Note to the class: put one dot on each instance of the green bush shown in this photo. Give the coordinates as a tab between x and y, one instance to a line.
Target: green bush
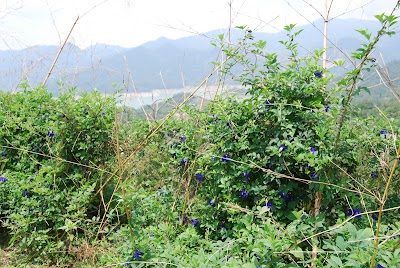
54	155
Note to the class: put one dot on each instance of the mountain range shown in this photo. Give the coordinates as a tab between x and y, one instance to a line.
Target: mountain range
166	63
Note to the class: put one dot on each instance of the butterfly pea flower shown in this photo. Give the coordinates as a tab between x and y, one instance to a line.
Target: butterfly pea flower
2	179
138	254
268	103
243	194
25	193
103	113
199	177
318	74
3	154
182	138
269	204
226	158
183	161
211	202
313	150
185	219
286	196
374	217
327	108
384	133
282	147
354	212
246	174
50	134
314	176
374	174
195	222
379	266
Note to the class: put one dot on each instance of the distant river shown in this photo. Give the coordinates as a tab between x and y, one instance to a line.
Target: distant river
139	99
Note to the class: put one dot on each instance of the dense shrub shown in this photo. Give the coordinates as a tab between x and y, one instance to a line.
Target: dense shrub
53	155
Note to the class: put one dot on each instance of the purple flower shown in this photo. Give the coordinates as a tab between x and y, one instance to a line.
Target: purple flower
185	219
243	194
195	222
318	74
282	147
384	133
50	133
182	138
3	154
257	256
138	254
357	213
374	174
2	179
127	264
354	212
374	217
211	202
314	176
199	177
313	150
25	193
269	204
183	161
226	158
268	103
379	266
285	196
246	174
103	113
327	108
229	125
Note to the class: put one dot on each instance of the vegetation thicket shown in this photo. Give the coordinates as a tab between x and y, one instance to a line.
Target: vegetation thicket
290	176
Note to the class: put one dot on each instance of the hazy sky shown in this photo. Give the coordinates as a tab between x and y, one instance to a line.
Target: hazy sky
130	23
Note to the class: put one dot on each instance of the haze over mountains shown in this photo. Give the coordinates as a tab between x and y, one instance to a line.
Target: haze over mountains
165	63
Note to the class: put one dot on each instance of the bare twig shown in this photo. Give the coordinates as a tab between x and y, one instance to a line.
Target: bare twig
59	52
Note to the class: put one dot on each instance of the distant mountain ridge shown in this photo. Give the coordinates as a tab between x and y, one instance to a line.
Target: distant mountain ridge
165	63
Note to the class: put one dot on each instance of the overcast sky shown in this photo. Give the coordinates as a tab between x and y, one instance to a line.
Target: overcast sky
129	23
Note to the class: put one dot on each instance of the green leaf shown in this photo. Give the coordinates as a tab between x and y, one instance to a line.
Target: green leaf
340	243
335	261
365	33
297	252
263	210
